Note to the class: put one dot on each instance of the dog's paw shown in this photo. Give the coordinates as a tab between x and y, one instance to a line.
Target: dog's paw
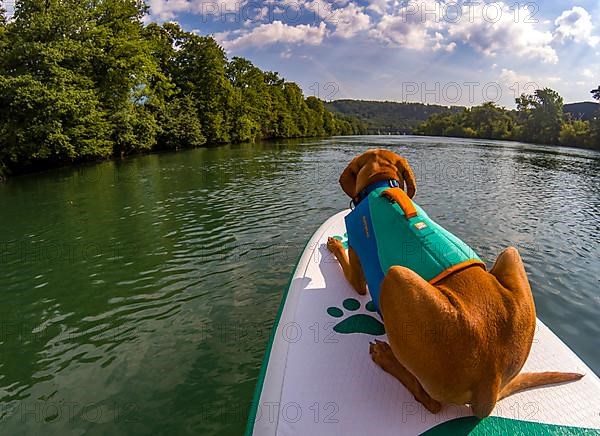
334	245
382	355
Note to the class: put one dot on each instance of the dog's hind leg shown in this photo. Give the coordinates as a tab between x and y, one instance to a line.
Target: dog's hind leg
382	355
510	272
418	319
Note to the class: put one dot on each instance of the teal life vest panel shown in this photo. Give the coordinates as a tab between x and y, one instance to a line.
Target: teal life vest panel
387	229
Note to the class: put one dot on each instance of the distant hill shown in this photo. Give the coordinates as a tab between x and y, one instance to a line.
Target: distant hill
397	118
582	111
388	116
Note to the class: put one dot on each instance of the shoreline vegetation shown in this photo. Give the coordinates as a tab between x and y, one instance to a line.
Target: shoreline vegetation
87	80
539	119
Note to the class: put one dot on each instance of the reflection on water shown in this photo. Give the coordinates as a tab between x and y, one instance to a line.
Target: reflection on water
138	295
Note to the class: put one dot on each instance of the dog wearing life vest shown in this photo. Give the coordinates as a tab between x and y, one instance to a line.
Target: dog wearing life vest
459	335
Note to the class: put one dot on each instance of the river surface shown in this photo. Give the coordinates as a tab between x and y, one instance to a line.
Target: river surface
137	296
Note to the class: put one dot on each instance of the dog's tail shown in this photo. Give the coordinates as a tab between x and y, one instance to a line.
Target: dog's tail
527	380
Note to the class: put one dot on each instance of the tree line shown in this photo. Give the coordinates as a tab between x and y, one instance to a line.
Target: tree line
539	118
87	79
383	117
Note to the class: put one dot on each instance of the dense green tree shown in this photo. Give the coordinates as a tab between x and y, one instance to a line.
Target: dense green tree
315	117
42	122
123	67
178	125
86	79
575	133
491	122
51	110
251	102
176	114
200	72
541	116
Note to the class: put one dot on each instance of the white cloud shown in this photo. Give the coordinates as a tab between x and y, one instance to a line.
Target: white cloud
378	6
349	20
588	73
395	30
167	10
164	10
273	33
498	31
576	24
426	25
320	8
433	25
408	27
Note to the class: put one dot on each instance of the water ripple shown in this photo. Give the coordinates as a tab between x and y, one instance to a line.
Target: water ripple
148	287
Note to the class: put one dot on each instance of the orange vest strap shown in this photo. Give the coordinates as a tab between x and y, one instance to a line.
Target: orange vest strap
399	196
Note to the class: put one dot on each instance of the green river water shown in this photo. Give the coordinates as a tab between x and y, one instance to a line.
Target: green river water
137	296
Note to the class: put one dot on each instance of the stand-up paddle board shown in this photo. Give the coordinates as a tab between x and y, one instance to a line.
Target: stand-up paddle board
318	378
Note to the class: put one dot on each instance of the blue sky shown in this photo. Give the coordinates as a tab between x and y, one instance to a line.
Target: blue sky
445	52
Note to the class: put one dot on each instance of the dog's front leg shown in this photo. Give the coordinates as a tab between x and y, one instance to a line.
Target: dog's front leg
350	265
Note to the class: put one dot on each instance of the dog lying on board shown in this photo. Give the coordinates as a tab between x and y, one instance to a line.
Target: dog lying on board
457	333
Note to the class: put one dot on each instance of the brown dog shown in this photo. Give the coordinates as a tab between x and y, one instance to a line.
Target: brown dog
462	341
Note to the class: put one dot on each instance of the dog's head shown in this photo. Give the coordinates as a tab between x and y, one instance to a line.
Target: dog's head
375	166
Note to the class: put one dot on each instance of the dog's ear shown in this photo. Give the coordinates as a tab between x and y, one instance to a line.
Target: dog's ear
405	173
348	178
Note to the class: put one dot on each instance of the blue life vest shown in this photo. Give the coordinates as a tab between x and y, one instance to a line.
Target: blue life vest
387	229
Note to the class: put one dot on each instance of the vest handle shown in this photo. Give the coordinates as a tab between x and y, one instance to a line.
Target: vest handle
399	196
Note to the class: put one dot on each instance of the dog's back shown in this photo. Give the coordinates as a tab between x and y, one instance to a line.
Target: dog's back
387	229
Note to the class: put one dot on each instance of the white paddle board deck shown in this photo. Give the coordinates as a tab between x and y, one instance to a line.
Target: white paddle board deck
318	377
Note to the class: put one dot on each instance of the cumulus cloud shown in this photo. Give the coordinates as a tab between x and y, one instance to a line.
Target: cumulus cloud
433	25
576	24
273	33
492	29
396	30
412	27
164	10
349	20
167	10
498	31
378	6
320	8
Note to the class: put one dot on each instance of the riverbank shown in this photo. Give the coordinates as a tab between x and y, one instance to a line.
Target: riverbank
46	166
88	88
510	140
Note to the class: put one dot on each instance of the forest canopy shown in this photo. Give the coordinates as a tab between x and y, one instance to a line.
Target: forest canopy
87	79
